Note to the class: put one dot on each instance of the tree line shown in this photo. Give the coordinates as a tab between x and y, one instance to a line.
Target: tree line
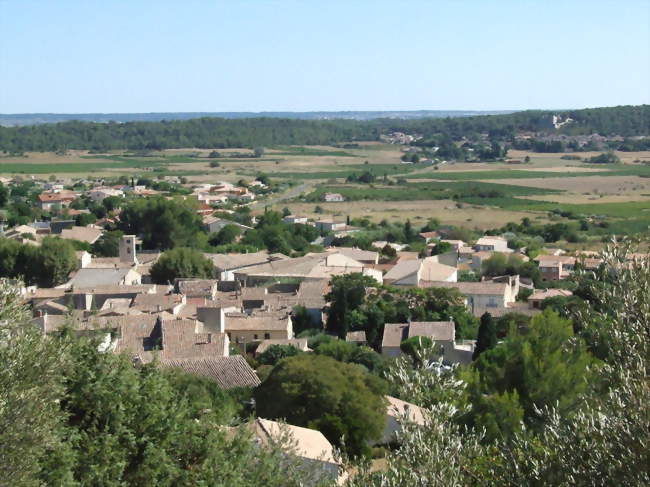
218	133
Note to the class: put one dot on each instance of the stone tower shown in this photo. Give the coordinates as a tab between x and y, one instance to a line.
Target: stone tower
127	249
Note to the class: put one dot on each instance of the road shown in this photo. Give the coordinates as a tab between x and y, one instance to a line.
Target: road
287	195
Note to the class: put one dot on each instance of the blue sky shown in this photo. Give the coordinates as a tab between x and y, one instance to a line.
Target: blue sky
82	56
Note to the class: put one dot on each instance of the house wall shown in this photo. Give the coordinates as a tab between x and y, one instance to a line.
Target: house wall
457	356
390	430
391	351
550	273
213	319
249	336
487	300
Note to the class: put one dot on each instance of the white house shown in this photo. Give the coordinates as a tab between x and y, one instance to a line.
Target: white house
333	197
492	243
99	194
442	333
295	219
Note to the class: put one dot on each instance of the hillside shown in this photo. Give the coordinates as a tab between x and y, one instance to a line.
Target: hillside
209	132
17	119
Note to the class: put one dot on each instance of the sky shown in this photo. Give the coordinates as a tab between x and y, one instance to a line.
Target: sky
114	56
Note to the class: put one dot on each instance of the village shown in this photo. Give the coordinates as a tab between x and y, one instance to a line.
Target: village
216	327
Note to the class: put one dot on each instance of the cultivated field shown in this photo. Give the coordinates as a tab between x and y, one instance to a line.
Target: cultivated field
485	194
447	211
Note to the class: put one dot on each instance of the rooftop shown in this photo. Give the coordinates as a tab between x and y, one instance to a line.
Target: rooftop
227	372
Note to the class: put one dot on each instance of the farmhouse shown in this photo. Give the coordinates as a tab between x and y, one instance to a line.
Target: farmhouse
333	197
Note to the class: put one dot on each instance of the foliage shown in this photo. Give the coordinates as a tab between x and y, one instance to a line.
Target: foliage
161	223
487	335
72	415
30	386
347	293
545	367
108	244
500	264
227	235
341	400
275	353
605	158
273	234
301	319
211	133
48	265
181	262
601	440
351	353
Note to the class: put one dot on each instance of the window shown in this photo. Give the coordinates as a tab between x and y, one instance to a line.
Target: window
267	336
255	336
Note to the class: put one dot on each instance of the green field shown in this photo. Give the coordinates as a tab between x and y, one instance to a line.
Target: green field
474	192
378	170
308	151
643	171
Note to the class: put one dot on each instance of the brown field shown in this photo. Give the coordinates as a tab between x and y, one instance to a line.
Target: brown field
418	211
577	189
616	185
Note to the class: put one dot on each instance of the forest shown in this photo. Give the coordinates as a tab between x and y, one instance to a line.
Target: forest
625	121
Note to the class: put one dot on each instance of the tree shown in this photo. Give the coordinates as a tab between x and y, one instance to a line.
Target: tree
161	223
108	245
275	353
346	294
84	219
258	152
227	235
341	400
441	248
181	262
112	203
603	436
411	346
301	319
55	260
30	387
408	231
4	195
547	366
487	335
264	179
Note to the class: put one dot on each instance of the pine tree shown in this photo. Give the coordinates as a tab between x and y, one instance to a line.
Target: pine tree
487	335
